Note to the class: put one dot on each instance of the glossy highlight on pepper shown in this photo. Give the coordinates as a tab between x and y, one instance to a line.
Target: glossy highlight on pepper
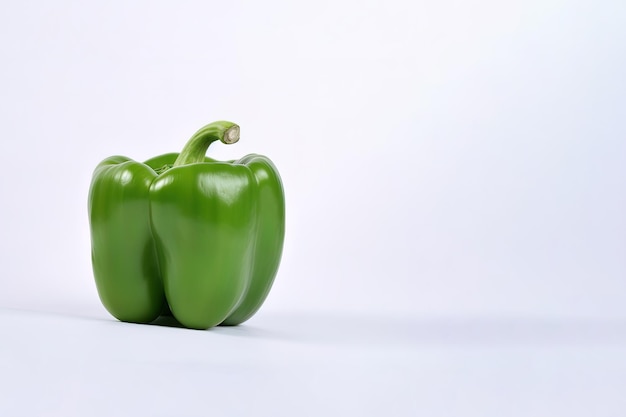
187	235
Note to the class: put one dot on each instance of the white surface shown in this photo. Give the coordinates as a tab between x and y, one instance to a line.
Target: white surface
312	365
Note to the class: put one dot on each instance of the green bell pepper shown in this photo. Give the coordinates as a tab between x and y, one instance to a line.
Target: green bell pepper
186	234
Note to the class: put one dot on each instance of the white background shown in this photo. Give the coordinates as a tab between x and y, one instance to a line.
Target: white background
440	159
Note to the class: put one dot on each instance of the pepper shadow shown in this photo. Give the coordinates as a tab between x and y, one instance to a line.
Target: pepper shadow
244	330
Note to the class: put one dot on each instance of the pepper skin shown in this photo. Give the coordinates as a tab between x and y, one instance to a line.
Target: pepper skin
187	234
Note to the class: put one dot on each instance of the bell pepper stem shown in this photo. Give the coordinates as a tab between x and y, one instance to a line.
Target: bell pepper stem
196	147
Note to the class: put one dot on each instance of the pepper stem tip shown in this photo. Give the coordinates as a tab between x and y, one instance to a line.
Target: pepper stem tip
231	135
